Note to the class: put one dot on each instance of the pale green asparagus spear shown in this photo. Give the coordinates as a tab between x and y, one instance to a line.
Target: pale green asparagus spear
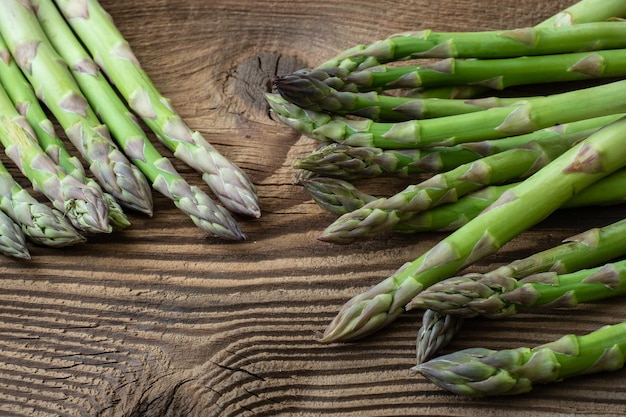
351	162
334	195
499	122
210	217
383	214
498	293
586	11
499	296
113	53
83	205
479	372
26	102
559	275
56	87
436	332
40	223
579	167
12	239
539	40
309	88
340	197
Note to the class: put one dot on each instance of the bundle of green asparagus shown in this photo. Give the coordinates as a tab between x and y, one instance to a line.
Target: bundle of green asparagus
47	66
439	108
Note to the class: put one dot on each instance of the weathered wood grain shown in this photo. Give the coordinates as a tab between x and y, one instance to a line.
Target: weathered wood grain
159	320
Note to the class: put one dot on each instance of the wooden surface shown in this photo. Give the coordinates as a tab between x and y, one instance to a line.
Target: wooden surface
160	321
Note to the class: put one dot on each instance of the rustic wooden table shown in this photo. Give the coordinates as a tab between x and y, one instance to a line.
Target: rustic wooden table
160	320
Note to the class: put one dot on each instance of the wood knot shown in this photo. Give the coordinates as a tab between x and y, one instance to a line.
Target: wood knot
248	82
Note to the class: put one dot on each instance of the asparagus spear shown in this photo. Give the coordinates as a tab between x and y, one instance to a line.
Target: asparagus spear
103	98
579	167
12	240
538	40
39	223
383	214
340	197
586	11
381	107
592	247
113	53
555	272
55	86
351	162
26	102
478	372
437	330
310	89
83	205
499	122
335	196
499	296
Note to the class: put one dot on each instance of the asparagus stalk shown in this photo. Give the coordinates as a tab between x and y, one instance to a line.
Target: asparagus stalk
436	332
586	11
579	167
500	296
55	86
589	248
113	53
26	102
539	40
131	138
40	223
340	197
383	214
351	162
309	89
12	240
559	271
83	205
386	108
335	196
478	372
500	122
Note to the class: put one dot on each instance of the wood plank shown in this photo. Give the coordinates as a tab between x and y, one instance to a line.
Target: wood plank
160	320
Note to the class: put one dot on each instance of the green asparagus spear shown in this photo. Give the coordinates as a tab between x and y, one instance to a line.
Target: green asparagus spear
579	167
103	98
40	223
55	86
83	205
309	89
562	271
334	195
586	11
436	332
26	102
478	372
12	239
500	296
500	122
383	214
351	162
538	40
340	197
98	32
